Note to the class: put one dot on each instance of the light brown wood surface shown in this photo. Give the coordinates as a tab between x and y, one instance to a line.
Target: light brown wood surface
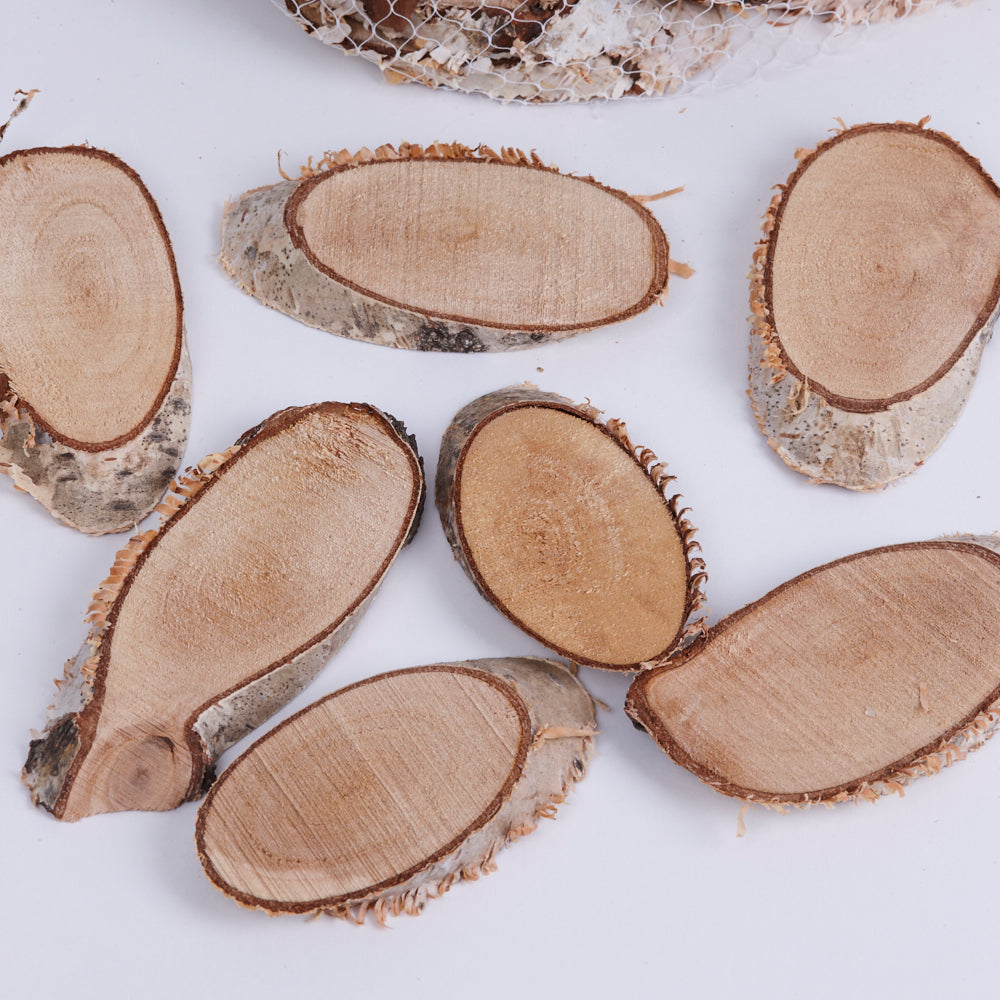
445	248
482	242
274	554
89	295
366	785
874	290
95	379
854	676
381	795
885	260
567	528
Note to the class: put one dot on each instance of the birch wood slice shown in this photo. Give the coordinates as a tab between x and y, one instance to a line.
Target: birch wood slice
266	559
95	380
844	683
568	529
383	794
874	291
445	249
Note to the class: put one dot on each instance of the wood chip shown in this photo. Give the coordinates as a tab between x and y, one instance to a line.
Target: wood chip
925	705
741	825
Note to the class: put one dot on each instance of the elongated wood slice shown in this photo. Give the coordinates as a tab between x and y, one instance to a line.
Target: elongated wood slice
382	795
445	249
569	529
844	683
874	291
268	555
95	381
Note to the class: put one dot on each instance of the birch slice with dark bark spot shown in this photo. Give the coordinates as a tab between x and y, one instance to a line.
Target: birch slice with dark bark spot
268	555
445	249
95	382
844	683
874	291
569	529
382	795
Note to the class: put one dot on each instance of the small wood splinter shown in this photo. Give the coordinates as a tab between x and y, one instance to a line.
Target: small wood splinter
382	795
268	555
22	105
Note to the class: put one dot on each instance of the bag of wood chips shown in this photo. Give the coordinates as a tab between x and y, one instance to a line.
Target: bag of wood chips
577	50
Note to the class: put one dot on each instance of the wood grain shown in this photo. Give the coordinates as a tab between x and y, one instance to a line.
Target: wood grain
383	794
204	628
850	677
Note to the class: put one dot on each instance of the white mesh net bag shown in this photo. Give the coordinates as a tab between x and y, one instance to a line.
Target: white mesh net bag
577	50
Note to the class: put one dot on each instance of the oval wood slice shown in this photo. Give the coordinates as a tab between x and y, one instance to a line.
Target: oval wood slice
383	794
568	529
95	381
445	249
268	555
874	291
844	683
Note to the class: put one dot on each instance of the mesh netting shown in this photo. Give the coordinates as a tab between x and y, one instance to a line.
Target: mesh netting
575	50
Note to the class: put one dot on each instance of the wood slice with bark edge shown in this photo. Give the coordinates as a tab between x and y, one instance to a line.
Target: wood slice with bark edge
857	435
267	556
606	594
845	683
467	757
89	280
546	51
441	267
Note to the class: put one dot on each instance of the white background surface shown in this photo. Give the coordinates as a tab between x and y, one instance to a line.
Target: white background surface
641	886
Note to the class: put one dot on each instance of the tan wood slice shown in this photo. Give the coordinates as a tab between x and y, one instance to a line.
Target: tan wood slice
383	794
874	291
268	555
95	380
844	683
415	248
569	529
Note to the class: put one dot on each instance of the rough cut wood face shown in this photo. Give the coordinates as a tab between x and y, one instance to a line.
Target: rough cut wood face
446	248
92	354
568	529
255	578
382	794
874	291
845	682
